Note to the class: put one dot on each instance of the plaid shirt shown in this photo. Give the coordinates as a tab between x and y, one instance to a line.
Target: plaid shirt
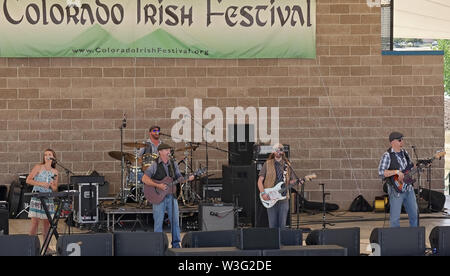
385	162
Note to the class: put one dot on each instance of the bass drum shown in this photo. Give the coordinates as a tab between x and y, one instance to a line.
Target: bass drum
134	174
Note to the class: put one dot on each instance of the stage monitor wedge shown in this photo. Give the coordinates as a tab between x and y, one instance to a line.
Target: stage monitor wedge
440	240
346	237
398	241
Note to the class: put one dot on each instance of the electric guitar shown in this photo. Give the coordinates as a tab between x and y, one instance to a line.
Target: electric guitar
279	191
409	172
155	195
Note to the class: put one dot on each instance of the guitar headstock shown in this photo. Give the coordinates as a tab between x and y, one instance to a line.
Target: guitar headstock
310	176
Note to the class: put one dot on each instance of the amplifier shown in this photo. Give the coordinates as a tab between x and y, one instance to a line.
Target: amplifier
212	192
262	152
216	216
86	205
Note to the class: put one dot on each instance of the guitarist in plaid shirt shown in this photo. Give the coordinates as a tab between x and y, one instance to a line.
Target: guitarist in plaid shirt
392	164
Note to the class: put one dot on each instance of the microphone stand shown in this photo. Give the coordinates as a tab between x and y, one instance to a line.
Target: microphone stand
68	172
418	185
302	196
206	144
122	163
324	222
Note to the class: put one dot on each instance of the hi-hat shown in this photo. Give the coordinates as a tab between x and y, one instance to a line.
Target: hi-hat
118	156
135	145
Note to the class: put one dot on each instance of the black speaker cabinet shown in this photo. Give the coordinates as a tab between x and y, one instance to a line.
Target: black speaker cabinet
212	251
346	237
398	241
440	240
140	244
258	238
291	237
100	244
310	250
19	245
3	193
225	238
14	198
239	187
4	218
214	217
241	140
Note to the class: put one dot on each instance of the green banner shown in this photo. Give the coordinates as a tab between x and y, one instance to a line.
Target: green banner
158	28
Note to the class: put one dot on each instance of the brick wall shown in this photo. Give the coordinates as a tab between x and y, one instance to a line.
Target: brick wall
336	111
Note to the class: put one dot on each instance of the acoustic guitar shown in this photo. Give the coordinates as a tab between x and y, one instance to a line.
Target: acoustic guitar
155	195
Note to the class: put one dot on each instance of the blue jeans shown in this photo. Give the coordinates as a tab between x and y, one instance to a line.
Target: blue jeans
278	214
158	218
396	200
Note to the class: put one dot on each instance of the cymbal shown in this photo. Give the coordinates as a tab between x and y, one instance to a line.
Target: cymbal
193	147
118	156
135	145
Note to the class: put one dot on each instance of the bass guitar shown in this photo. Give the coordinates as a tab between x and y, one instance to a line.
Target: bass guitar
409	172
155	195
279	191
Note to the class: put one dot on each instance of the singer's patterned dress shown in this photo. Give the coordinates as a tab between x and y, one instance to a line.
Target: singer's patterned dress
36	208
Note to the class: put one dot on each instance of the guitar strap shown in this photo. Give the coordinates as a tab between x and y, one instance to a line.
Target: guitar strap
285	172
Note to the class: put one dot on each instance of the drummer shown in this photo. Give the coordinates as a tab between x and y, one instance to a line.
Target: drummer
152	143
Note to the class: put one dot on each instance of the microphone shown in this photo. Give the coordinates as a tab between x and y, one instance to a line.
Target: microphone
53	159
171	154
124	121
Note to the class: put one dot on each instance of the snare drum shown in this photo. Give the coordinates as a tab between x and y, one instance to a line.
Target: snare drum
131	177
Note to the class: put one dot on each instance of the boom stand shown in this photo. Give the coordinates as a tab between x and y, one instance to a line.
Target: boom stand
324	210
206	145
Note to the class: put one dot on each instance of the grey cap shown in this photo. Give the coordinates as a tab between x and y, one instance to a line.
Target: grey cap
395	135
164	146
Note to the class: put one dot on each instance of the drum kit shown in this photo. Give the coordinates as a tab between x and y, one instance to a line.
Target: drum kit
136	165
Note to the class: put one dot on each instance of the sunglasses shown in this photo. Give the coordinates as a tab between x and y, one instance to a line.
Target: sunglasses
156	131
401	139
